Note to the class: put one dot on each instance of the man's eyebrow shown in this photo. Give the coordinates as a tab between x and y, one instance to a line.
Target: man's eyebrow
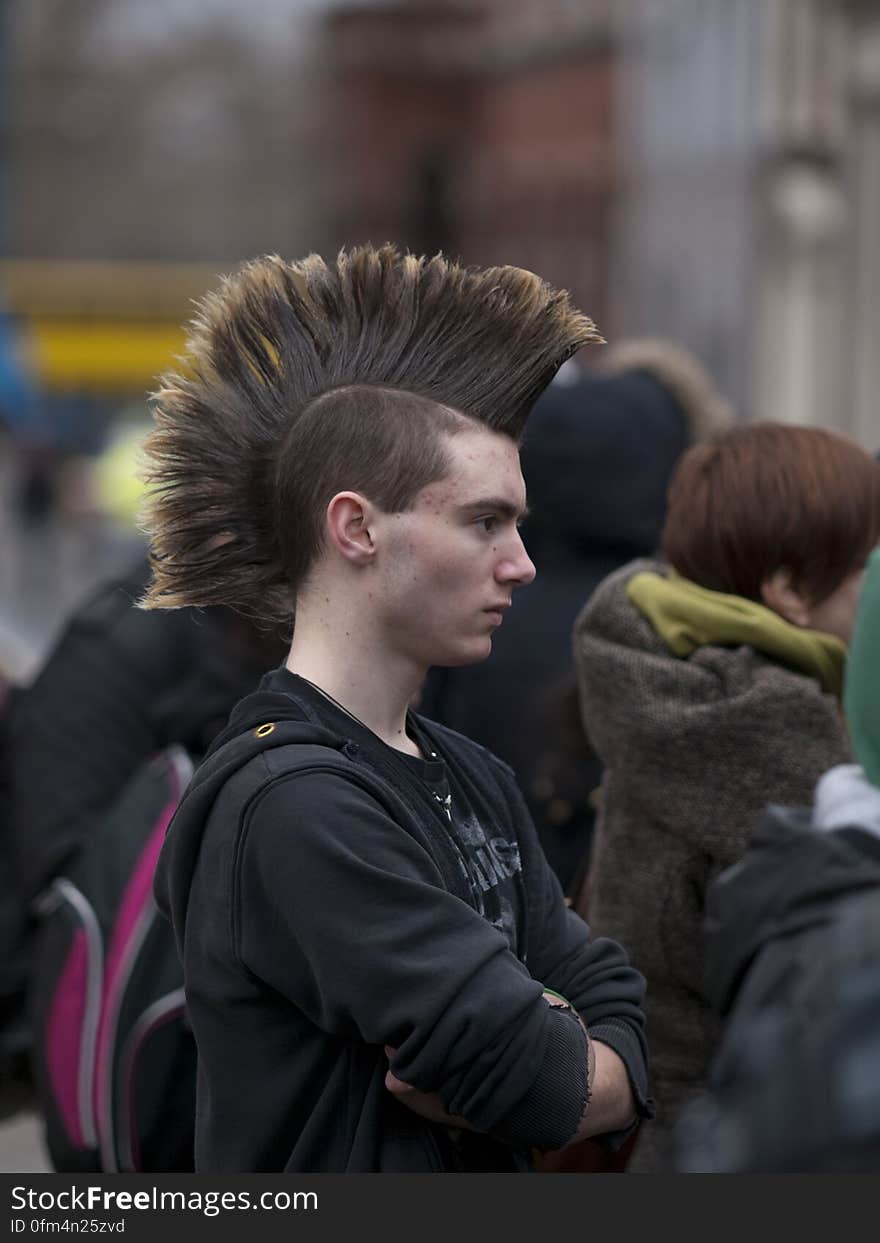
498	505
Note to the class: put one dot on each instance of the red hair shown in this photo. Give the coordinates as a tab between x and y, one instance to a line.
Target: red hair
769	496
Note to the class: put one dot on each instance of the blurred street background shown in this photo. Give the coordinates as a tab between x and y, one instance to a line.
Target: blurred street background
705	170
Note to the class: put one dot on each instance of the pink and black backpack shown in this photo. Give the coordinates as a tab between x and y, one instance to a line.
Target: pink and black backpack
114	1058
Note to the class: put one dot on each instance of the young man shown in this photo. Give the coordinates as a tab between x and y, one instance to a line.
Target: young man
368	927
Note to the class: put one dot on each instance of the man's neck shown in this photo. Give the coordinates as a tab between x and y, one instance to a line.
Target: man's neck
349	670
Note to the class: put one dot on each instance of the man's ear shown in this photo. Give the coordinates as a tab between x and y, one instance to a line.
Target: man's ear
780	594
349	519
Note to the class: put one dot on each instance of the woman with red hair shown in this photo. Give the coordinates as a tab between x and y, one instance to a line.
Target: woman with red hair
710	685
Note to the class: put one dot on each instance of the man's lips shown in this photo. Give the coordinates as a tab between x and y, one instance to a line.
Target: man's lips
496	611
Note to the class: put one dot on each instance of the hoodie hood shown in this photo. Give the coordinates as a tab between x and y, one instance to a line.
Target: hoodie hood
243	738
600	448
844	798
788	881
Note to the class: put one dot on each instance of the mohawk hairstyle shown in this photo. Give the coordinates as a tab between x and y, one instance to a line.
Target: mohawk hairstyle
276	335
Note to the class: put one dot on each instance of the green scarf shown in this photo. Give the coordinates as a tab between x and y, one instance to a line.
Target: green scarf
687	617
861	695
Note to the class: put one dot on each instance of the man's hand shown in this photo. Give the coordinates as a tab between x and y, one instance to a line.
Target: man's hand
427	1104
611	1106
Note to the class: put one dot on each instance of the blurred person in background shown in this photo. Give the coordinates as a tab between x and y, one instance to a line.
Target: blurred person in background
793	967
118	685
26	417
600	448
17	406
710	686
15	1088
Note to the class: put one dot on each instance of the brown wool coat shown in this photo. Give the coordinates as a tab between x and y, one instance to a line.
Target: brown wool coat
692	749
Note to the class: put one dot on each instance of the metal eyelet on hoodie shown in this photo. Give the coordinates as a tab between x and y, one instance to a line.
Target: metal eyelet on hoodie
264	730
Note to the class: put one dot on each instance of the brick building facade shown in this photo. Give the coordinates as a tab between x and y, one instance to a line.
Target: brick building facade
482	129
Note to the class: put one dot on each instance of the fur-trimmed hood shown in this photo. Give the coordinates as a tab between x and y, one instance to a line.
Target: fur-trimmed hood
602	443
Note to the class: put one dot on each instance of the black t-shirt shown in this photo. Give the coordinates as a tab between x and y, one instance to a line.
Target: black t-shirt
490	862
314	883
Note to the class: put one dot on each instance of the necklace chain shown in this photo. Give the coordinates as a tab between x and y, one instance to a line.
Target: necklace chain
342	707
445	801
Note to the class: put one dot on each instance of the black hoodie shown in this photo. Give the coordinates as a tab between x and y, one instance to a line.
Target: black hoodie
324	910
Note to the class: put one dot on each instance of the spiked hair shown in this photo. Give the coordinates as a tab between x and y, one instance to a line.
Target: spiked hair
276	336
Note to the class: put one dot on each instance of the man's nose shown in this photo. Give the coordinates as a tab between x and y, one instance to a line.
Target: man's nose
519	569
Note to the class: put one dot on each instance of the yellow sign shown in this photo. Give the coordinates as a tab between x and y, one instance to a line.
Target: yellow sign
101	356
103	328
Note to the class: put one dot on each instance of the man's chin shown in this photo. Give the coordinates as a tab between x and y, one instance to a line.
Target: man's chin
468	654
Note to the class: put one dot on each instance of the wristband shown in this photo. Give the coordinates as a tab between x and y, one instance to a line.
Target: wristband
565	1003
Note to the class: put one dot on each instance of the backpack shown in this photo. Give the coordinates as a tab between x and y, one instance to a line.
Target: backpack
114	1059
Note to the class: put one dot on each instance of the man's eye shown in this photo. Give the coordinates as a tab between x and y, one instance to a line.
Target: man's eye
488	523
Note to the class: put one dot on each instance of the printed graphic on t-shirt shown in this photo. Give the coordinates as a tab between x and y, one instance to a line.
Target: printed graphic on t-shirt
489	864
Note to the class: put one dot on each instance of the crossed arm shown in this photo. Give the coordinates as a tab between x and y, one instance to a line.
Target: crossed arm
610	1105
431	978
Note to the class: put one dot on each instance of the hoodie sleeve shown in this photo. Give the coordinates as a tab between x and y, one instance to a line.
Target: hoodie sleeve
340	910
593	973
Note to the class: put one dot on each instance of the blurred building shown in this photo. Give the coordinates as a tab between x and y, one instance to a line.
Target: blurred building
704	169
483	128
749	221
176	132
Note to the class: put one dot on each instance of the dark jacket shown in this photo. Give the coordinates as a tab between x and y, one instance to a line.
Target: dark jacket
693	751
322	912
119	685
597	458
792	969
